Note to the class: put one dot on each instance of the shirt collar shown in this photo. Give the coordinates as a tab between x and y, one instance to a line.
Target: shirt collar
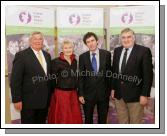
129	49
96	52
36	52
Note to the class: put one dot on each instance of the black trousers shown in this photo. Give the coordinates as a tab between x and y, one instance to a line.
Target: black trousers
102	110
34	116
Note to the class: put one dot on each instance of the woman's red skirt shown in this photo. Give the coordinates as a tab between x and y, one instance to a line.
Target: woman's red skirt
64	108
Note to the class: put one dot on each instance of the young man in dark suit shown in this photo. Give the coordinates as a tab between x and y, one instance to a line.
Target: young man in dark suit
94	84
131	87
30	88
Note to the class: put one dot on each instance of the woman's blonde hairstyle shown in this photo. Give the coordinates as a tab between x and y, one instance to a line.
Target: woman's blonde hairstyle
67	41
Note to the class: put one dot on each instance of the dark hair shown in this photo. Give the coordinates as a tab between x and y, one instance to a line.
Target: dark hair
88	35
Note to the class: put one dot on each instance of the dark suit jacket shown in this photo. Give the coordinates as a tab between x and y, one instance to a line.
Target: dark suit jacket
139	65
98	86
25	85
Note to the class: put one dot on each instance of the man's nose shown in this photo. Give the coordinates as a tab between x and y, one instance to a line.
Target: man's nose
126	39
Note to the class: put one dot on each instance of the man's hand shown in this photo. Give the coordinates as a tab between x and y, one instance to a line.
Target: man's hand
82	100
143	100
112	94
18	106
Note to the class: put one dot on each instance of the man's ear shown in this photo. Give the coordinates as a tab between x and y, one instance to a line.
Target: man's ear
134	38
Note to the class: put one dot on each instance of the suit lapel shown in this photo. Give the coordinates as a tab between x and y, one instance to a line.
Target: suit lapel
47	61
89	61
118	58
131	58
100	59
36	62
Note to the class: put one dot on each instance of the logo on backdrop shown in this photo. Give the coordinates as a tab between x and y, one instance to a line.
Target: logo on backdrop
74	19
25	17
127	18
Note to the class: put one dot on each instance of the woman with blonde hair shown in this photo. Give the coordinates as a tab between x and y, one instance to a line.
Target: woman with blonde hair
64	106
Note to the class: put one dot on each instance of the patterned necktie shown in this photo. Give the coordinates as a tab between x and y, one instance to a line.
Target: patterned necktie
124	61
94	62
40	59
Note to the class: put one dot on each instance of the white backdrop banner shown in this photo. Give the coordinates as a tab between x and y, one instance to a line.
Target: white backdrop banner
80	17
140	18
29	16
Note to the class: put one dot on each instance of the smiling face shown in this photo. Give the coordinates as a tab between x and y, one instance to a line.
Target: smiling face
127	39
67	49
36	41
92	43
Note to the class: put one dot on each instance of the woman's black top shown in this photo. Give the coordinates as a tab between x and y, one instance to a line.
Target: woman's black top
64	75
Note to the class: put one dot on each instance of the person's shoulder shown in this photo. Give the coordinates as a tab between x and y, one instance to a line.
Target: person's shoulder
141	48
83	54
117	49
104	51
55	60
22	53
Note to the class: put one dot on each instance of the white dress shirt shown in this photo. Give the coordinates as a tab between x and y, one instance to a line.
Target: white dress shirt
122	55
43	59
96	56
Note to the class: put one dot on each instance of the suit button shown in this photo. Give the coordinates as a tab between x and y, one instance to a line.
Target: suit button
122	82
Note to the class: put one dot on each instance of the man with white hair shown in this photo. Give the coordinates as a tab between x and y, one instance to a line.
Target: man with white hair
30	92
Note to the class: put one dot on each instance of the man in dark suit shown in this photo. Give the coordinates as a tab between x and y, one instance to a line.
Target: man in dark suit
30	88
131	86
94	84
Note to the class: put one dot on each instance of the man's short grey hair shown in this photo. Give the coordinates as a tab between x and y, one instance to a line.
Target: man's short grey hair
126	30
35	33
